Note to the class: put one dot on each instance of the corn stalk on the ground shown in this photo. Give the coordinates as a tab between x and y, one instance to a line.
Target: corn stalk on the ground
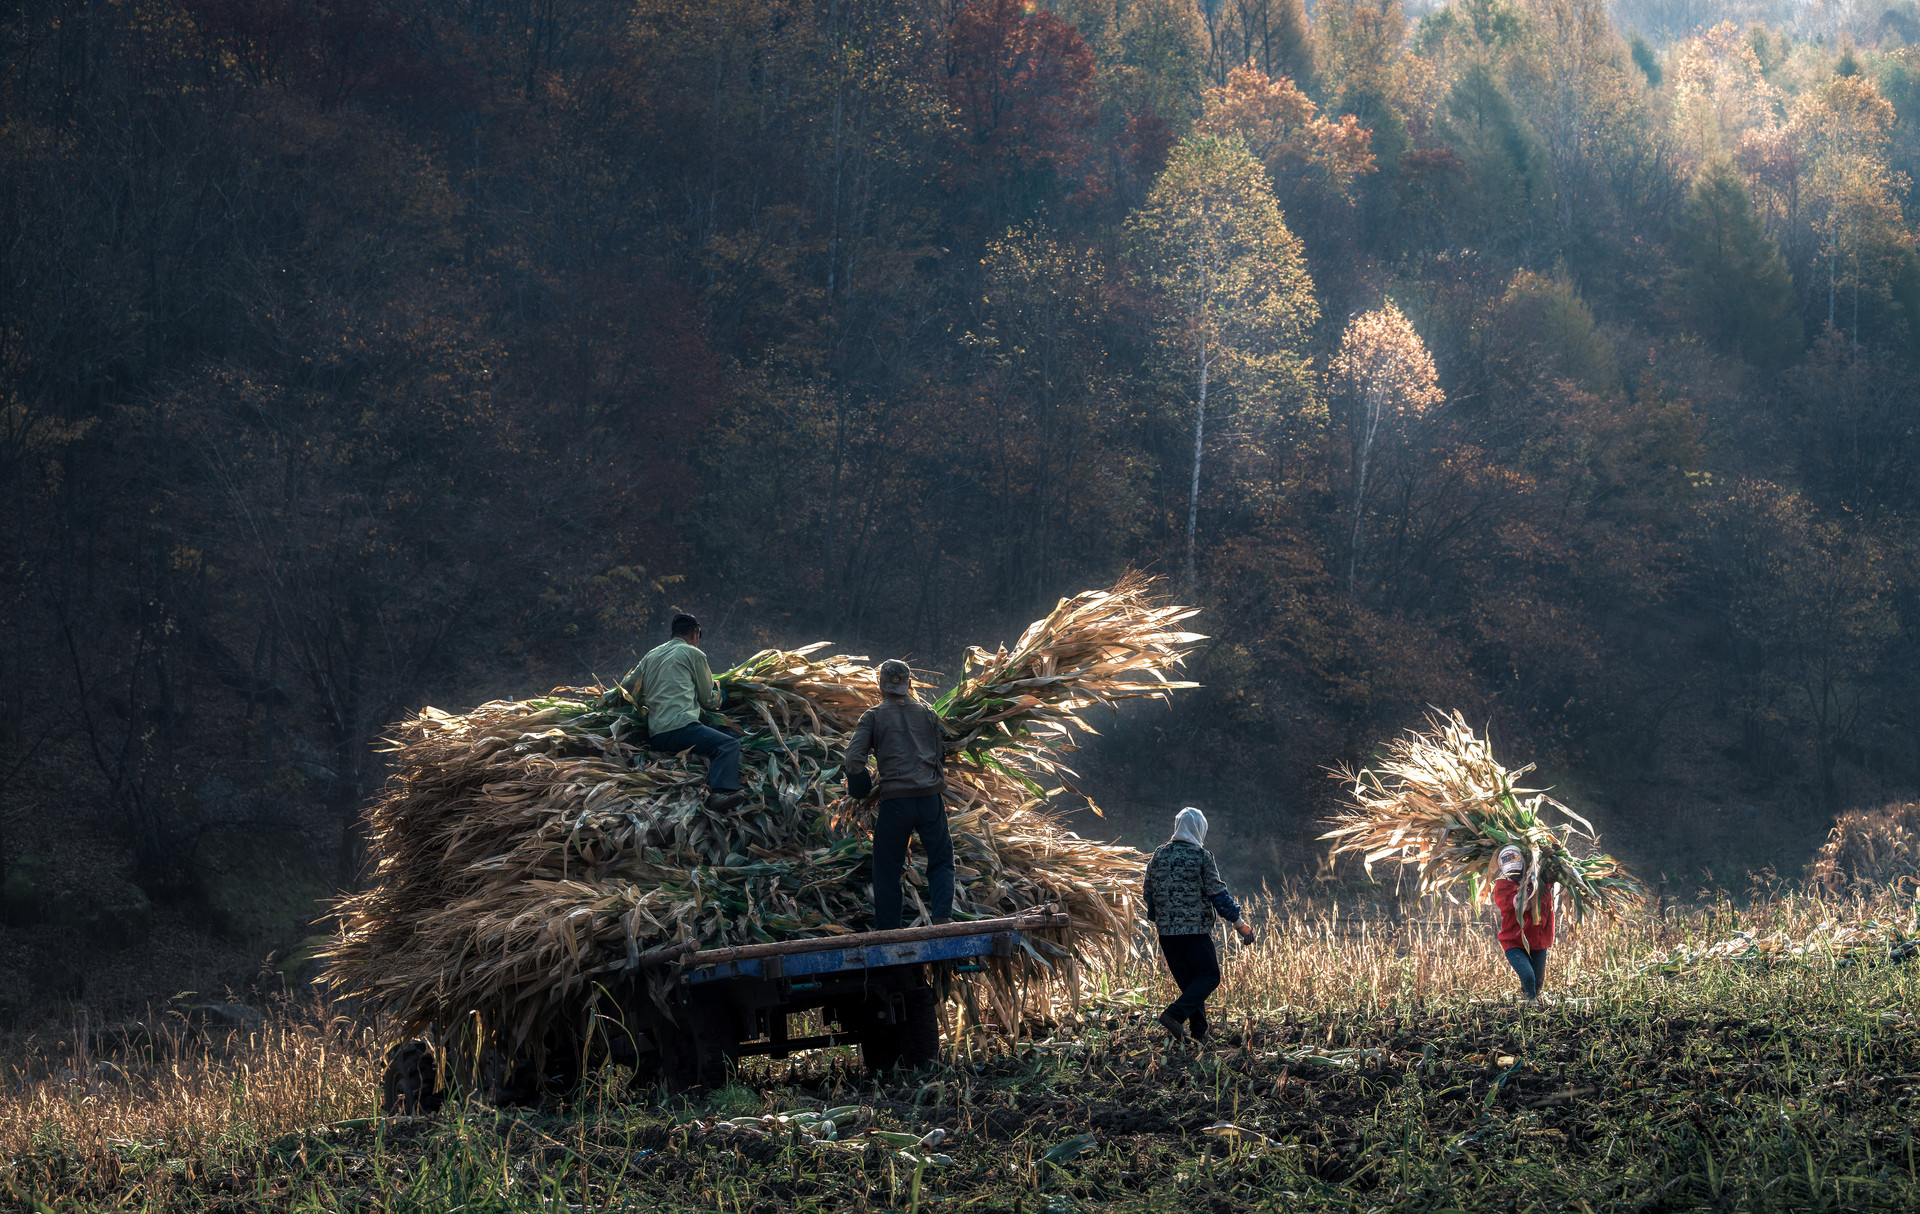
1439	803
1828	942
531	852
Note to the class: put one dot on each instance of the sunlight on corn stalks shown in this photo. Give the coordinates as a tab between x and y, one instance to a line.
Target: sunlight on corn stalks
532	853
1440	804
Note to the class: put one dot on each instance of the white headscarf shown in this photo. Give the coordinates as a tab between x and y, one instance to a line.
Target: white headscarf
1190	824
1512	860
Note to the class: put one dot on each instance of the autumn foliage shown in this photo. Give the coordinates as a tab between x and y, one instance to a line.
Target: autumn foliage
1019	81
355	356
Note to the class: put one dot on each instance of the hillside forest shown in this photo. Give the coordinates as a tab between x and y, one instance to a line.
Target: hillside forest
1533	358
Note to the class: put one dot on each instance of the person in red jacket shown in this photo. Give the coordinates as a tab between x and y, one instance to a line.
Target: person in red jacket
1526	920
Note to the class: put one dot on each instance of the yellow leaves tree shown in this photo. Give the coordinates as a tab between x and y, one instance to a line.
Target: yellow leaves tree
1844	127
1720	93
1824	184
1211	240
1385	373
1163	48
1362	43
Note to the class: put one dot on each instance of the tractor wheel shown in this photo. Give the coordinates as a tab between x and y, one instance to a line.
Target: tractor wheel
913	1040
920	1030
412	1081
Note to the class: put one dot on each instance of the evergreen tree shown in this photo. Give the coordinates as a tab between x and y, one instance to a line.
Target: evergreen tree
1505	205
1736	285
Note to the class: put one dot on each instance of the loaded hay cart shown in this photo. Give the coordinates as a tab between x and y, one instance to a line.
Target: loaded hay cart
876	990
550	895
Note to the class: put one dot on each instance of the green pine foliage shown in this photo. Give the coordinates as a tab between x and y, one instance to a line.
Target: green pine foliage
1645	59
1506	203
1734	283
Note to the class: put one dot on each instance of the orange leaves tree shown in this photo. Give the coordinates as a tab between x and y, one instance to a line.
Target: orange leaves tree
1282	128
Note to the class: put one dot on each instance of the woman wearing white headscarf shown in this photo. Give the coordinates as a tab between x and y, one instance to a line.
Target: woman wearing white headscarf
1184	895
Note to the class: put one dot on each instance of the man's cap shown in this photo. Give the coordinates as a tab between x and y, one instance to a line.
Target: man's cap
1512	859
684	624
895	678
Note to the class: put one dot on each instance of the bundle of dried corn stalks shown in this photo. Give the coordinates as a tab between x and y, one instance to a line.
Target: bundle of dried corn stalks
1870	848
1442	805
531	851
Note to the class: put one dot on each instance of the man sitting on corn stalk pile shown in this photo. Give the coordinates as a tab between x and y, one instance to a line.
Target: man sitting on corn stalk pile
672	684
904	736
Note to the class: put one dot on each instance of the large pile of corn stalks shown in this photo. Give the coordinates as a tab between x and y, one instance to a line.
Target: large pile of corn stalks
1441	804
531	852
1870	848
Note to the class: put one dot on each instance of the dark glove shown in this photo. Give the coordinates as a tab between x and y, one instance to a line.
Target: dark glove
859	782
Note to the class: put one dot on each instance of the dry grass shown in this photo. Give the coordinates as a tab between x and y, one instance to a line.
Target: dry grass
182	1111
173	1099
1312	956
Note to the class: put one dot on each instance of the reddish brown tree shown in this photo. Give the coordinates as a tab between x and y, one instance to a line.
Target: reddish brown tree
1020	83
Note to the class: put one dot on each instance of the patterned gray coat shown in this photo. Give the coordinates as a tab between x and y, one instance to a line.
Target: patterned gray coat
1184	890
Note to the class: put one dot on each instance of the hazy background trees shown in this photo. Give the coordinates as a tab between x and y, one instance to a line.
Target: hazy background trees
360	356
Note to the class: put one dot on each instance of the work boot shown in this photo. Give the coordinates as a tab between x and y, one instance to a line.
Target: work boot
1175	1029
942	920
720	801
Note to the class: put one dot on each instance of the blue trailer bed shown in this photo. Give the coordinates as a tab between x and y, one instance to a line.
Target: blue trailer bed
869	989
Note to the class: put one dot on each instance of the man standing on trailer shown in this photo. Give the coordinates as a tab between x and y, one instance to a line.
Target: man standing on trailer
903	734
673	683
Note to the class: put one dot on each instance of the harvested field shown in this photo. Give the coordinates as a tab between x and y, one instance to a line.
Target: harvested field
1354	1068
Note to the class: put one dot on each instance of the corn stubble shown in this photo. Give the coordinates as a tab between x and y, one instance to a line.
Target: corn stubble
1327	1000
1441	804
532	852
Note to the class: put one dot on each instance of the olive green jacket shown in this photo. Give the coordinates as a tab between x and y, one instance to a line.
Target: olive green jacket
673	683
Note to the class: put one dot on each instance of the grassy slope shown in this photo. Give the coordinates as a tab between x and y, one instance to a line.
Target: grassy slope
1793	1088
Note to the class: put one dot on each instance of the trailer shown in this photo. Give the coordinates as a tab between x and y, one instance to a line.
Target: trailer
872	989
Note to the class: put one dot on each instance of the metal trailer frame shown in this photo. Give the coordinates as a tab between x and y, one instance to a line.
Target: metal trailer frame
731	1003
735	1002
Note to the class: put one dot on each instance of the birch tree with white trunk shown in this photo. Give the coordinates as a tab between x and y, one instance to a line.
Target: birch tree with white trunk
1385	373
1237	299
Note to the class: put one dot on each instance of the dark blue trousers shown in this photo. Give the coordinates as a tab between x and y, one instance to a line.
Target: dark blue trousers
720	747
1195	965
899	818
1532	968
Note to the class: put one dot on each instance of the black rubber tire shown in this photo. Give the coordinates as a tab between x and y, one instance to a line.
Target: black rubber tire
411	1083
920	1031
689	1058
879	1042
912	1042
